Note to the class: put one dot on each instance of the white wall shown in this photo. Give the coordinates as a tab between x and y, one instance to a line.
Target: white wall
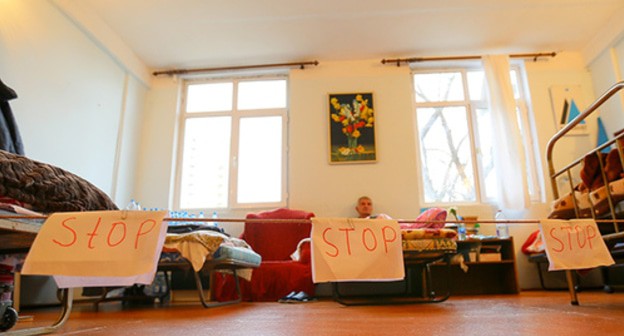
332	189
565	69
156	157
607	69
71	94
129	137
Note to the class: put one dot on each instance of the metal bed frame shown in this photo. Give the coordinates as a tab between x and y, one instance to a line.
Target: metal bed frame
618	234
412	261
17	236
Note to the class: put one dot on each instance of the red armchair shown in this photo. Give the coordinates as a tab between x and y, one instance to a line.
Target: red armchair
278	274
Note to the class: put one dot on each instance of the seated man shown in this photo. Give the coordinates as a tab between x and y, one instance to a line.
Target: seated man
364	209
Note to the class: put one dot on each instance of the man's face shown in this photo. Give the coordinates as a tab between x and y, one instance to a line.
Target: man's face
364	207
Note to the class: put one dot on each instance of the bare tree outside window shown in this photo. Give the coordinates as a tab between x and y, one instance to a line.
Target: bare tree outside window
454	126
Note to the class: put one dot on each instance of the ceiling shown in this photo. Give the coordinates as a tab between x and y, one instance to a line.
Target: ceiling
168	34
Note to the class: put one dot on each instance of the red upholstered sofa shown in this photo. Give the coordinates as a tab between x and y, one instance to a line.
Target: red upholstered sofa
278	274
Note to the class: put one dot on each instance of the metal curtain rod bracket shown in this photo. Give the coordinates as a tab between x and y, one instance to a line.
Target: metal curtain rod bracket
398	61
174	72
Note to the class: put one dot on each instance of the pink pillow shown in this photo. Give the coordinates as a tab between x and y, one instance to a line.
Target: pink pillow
432	214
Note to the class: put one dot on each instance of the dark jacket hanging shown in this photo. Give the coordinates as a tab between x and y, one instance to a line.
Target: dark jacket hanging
10	139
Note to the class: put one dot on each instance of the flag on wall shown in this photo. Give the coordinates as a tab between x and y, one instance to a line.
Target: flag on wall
567	105
570	111
602	136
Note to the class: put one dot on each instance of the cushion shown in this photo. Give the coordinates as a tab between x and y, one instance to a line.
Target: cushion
262	236
47	188
237	253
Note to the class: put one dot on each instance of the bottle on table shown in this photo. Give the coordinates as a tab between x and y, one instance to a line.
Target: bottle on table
461	231
502	228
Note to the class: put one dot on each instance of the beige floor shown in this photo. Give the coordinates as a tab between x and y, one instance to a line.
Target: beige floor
528	313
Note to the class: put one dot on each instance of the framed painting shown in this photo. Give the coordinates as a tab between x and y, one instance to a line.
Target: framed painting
568	104
351	128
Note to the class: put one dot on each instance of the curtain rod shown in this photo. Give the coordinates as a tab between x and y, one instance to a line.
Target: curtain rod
301	65
308	221
398	61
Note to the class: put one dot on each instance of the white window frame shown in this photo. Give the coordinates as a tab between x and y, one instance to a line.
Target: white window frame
522	104
236	116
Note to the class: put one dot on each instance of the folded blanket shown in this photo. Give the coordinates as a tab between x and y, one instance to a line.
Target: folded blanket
199	246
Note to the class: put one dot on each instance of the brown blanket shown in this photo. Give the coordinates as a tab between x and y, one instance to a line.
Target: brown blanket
47	188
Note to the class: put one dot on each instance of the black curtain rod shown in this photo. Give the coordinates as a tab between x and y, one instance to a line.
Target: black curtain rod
301	65
398	61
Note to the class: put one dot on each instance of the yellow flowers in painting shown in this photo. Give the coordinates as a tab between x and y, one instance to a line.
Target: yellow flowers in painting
354	113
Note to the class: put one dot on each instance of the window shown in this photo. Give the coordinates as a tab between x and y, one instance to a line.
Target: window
232	144
454	131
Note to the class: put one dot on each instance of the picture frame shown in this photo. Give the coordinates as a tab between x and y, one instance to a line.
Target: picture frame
567	104
352	128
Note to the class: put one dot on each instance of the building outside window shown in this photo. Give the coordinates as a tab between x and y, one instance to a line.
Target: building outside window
453	123
232	144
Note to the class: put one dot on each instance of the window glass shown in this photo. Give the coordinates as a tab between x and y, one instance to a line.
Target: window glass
476	85
210	97
437	87
456	138
262	94
260	163
514	83
232	158
206	158
445	154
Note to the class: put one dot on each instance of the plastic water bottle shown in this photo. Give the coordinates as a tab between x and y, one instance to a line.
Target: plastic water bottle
502	229
133	205
214	216
461	231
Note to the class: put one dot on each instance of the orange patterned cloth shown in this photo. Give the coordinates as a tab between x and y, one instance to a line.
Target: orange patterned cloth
426	233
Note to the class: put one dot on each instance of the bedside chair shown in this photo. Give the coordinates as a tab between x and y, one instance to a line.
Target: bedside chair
278	274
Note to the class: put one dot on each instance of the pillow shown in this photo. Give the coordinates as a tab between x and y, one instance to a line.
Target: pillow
436	215
46	188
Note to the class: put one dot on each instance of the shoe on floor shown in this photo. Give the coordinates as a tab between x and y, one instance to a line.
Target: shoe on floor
296	297
288	298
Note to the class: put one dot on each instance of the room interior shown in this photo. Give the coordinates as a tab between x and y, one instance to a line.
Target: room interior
89	102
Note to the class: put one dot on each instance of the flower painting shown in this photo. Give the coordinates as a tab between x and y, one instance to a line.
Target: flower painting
352	128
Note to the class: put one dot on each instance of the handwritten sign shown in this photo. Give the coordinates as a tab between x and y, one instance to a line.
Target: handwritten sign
108	244
574	244
356	250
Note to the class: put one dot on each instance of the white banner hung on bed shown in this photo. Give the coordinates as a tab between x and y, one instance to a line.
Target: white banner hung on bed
346	249
574	244
99	248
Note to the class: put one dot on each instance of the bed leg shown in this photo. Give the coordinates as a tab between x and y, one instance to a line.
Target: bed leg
203	299
573	297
